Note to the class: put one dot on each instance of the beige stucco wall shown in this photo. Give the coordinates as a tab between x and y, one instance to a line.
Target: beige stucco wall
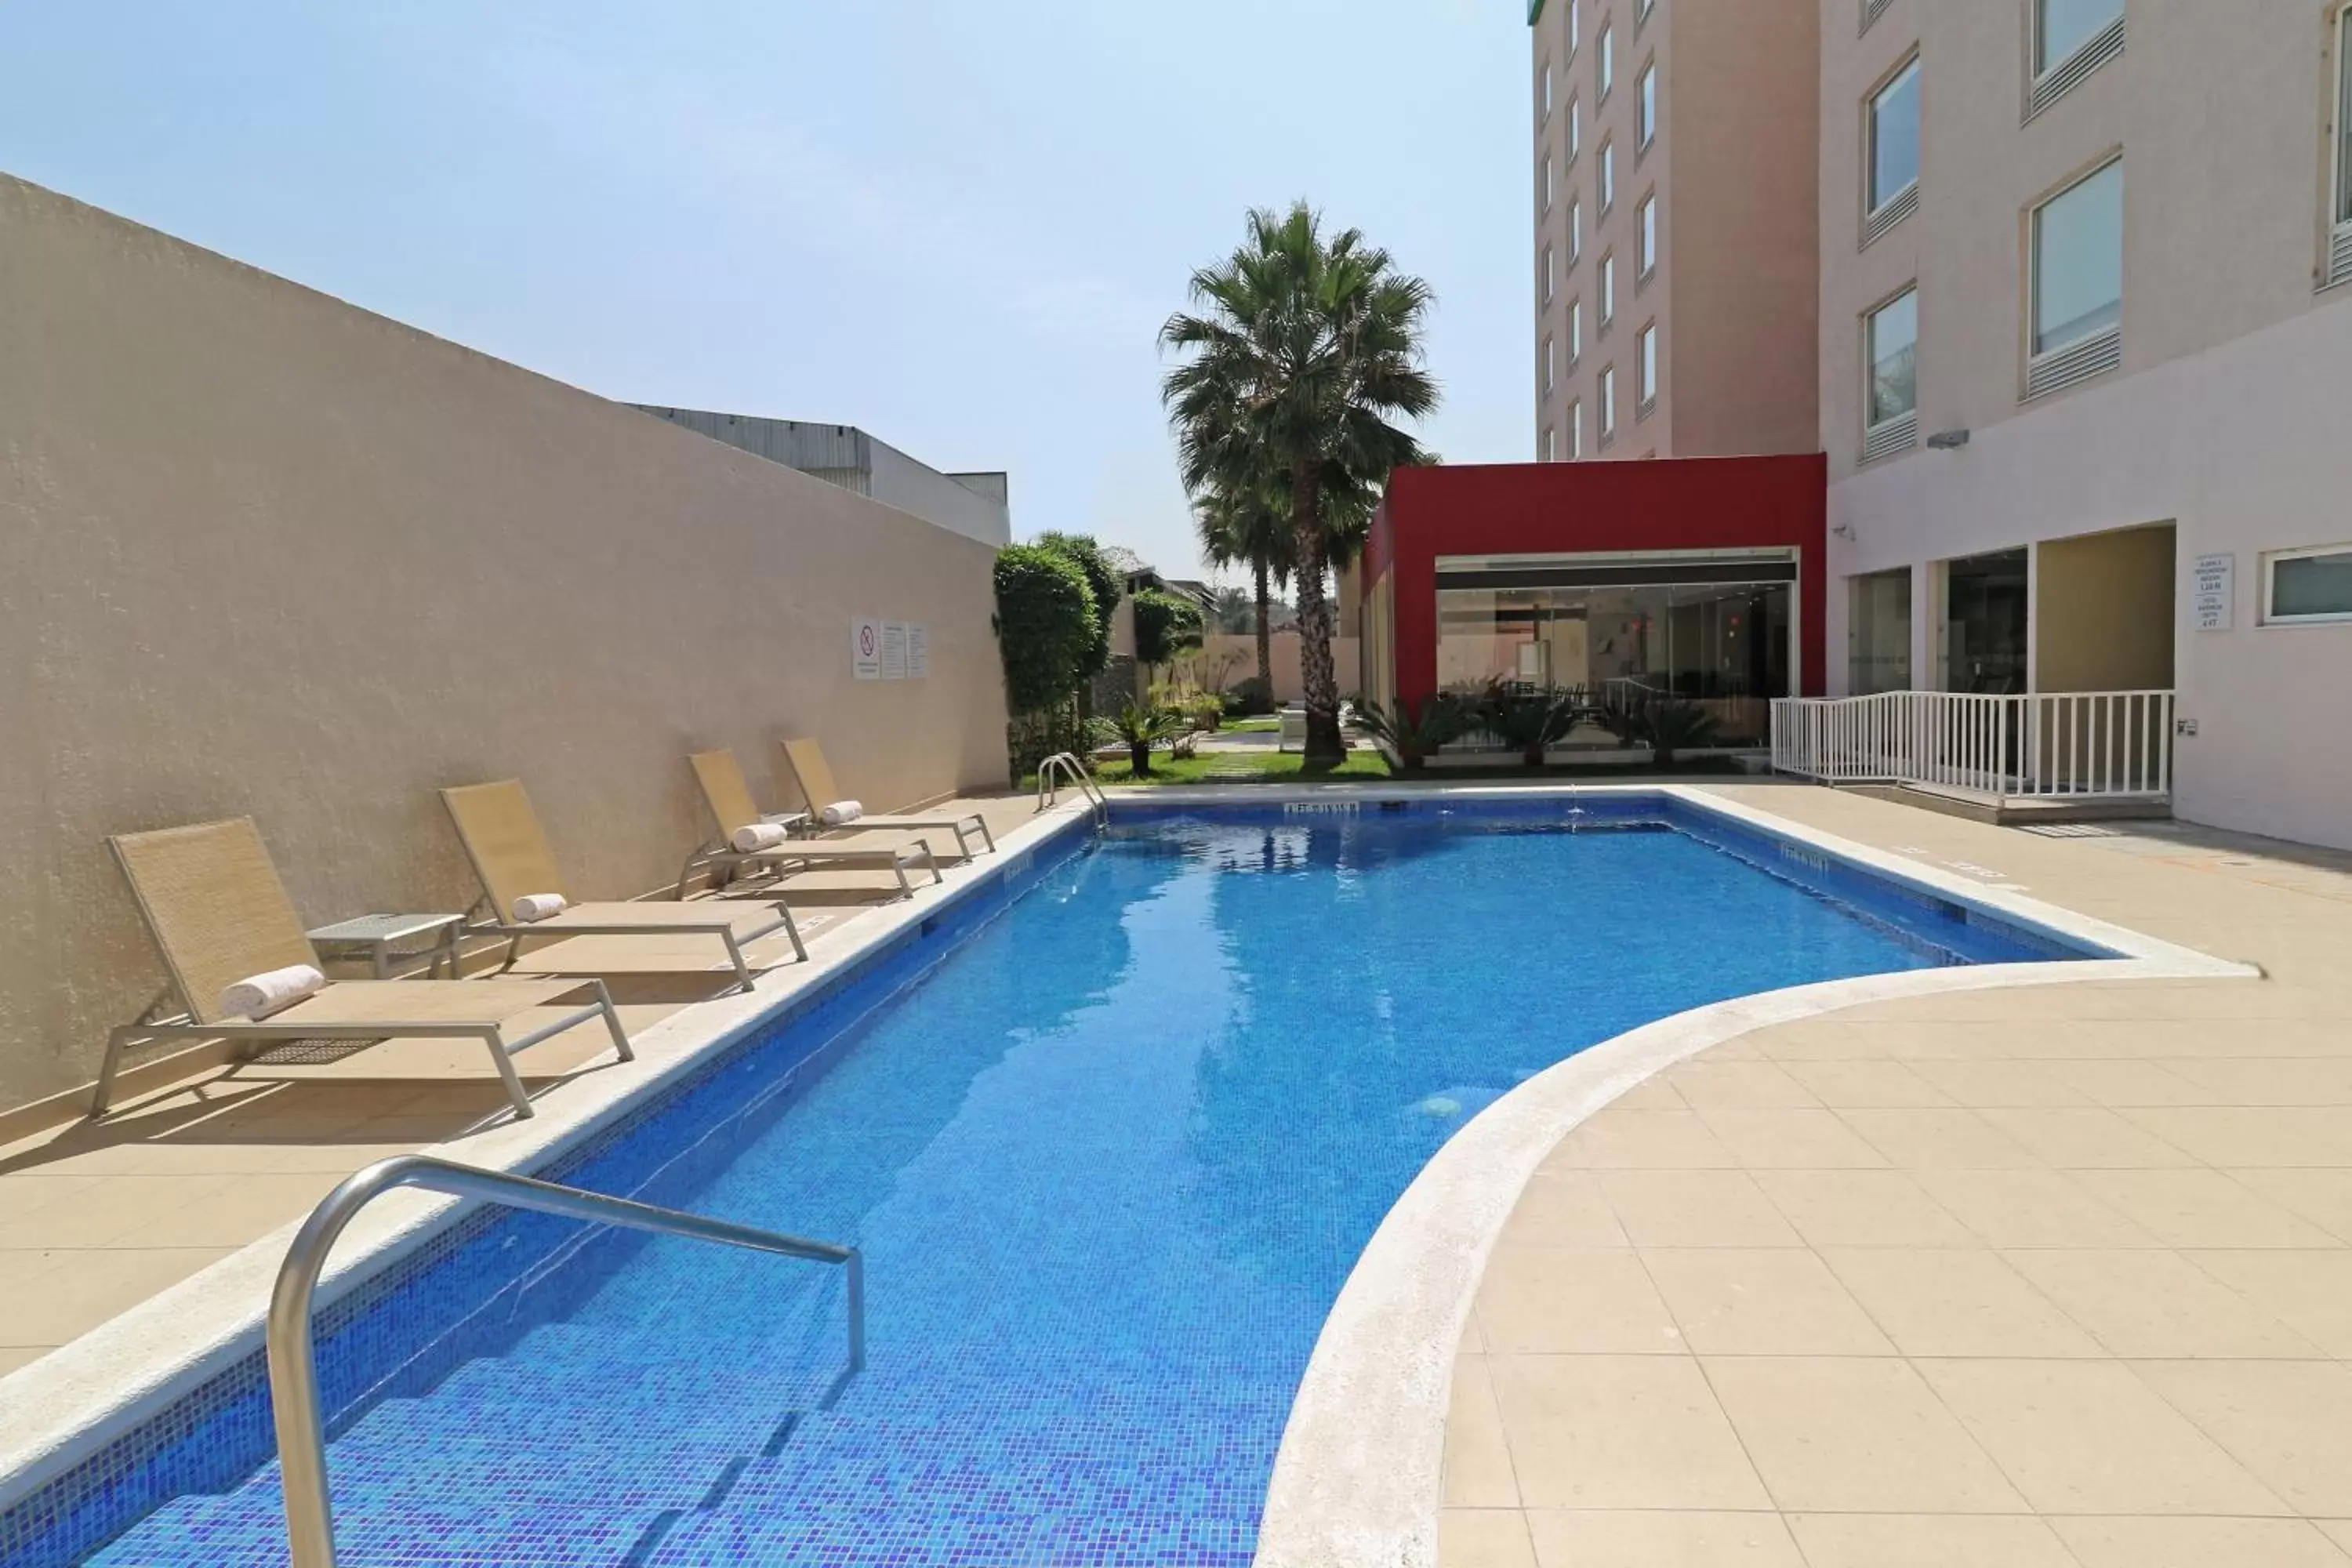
261	553
2103	612
1223	660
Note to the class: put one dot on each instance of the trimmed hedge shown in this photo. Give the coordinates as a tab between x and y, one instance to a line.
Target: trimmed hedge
1164	625
1045	626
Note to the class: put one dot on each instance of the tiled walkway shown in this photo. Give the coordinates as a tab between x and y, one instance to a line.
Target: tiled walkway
97	1218
2051	1277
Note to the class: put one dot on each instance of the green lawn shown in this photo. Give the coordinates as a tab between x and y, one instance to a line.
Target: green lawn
1253	726
1365	765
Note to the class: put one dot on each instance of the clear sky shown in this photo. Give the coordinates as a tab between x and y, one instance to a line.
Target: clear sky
956	222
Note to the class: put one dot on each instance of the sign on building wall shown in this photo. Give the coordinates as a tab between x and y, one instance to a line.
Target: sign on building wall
919	651
866	648
894	650
889	650
2213	588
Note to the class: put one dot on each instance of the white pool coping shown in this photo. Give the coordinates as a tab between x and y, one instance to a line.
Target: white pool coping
1359	1480
59	1409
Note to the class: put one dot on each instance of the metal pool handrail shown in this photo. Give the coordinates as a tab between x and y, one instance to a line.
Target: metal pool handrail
1068	762
293	1375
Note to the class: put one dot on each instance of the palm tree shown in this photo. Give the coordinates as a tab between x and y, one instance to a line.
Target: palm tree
1301	352
1244	523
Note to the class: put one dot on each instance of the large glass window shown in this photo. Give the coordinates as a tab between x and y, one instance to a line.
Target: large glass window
1724	646
1984	623
2061	27
1894	137
2343	117
1646	236
2308	585
2078	260
1647	112
1878	632
1893	331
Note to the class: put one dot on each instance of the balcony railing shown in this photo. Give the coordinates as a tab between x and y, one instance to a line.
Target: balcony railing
2073	745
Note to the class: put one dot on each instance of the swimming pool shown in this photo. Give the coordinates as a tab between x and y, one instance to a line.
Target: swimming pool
1110	1160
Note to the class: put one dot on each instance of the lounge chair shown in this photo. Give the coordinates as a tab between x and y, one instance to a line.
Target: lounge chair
219	914
805	759
512	860
729	800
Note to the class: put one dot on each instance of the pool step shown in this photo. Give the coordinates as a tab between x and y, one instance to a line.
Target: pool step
742	1536
413	1534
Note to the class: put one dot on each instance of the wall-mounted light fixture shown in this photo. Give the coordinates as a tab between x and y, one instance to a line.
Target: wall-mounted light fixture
1945	440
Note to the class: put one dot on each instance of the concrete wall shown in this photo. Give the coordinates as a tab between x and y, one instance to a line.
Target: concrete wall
2103	612
261	553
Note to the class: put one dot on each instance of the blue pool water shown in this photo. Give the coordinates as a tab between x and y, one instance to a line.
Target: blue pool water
1110	1163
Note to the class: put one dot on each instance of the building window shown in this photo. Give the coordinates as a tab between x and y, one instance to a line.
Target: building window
1576	430
1878	632
1895	146
1549	185
1550	366
1891	399
2062	26
1550	445
1543	103
1575	330
1646	369
1645	245
1606	67
2339	261
1551	274
1575	229
1608	291
2306	587
2078	263
1607	393
1608	180
1646	110
1575	31
1575	130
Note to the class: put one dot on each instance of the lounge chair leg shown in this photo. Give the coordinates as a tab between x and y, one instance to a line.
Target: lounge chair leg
986	836
792	930
104	1095
613	1022
683	872
507	1074
735	953
514	951
933	862
899	864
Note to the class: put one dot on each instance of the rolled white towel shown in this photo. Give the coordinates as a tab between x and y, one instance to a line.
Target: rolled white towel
841	812
532	908
754	836
258	996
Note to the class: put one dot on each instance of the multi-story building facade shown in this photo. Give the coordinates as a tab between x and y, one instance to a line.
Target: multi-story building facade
2087	370
2077	350
1675	152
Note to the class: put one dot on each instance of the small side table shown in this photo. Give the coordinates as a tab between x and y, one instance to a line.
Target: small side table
378	939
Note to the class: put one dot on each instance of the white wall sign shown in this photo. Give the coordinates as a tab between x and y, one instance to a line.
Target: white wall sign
2213	589
894	650
919	651
866	648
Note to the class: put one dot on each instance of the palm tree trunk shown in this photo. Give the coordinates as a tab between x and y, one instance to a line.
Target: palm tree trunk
1265	629
1324	743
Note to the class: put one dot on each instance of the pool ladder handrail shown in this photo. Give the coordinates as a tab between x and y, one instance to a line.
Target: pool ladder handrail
293	1374
1068	762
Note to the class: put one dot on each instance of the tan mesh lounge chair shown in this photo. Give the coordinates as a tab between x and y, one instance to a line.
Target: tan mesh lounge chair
805	758
218	913
729	800
510	855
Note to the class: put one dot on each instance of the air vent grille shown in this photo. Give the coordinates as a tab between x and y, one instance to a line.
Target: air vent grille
2094	356
1871	10
2339	258
2061	78
1891	213
1890	436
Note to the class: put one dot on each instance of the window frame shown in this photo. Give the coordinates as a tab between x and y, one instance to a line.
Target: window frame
1605	181
1575	130
1575	331
1575	17
2271	559
1607	271
2339	195
1551	364
1873	201
1575	230
1870	359
1604	69
1551	444
1543	114
1645	238
2039	63
1606	390
1645	105
1575	428
2033	216
1551	183
1551	272
1645	370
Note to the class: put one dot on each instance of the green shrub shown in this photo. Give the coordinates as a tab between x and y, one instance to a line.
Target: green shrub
1143	726
1045	626
1104	581
1414	735
1249	699
1164	625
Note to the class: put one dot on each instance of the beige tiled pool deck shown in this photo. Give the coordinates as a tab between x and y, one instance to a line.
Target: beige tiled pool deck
97	1218
2056	1277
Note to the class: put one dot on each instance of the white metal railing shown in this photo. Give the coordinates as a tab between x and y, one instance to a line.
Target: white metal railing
2037	746
1069	765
